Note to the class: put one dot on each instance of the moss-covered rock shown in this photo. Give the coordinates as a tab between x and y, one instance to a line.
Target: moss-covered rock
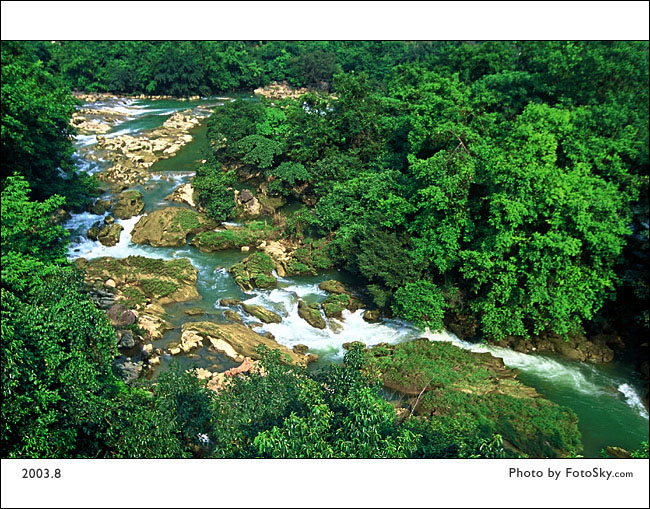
372	315
234	237
254	271
333	286
129	204
262	313
170	227
310	258
237	341
100	207
443	380
140	281
109	234
333	305
93	231
230	302
574	347
232	316
341	298
311	314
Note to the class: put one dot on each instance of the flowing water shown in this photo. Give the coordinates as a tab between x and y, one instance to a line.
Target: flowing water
605	398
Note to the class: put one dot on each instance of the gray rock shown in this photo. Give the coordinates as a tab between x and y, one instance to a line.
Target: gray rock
100	207
126	340
120	316
127	370
246	196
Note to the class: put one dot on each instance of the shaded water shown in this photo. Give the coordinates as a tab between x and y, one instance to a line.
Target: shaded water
605	398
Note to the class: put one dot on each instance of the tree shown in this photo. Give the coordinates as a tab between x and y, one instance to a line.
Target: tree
215	190
36	133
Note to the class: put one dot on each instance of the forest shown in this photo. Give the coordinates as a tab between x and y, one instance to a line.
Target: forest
497	190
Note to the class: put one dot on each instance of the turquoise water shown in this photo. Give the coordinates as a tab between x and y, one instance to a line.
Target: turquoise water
606	398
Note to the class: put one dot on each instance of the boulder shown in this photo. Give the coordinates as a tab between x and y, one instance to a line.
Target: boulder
109	220
126	339
230	302
333	286
109	235
618	452
247	365
372	315
237	341
129	204
202	374
233	237
153	325
120	316
140	280
232	316
247	205
246	196
93	231
194	312
262	313
127	370
190	340
170	227
311	314
347	346
300	349
254	271
103	299
147	350
333	305
59	216
100	207
183	194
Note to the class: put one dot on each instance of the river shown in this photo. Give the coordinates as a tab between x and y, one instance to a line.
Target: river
606	398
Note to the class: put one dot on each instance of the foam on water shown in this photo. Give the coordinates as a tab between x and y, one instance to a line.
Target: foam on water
633	399
294	330
81	246
302	290
579	376
121	132
84	140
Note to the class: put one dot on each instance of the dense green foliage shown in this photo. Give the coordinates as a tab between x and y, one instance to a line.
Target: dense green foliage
454	386
284	412
503	180
57	347
36	134
210	67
